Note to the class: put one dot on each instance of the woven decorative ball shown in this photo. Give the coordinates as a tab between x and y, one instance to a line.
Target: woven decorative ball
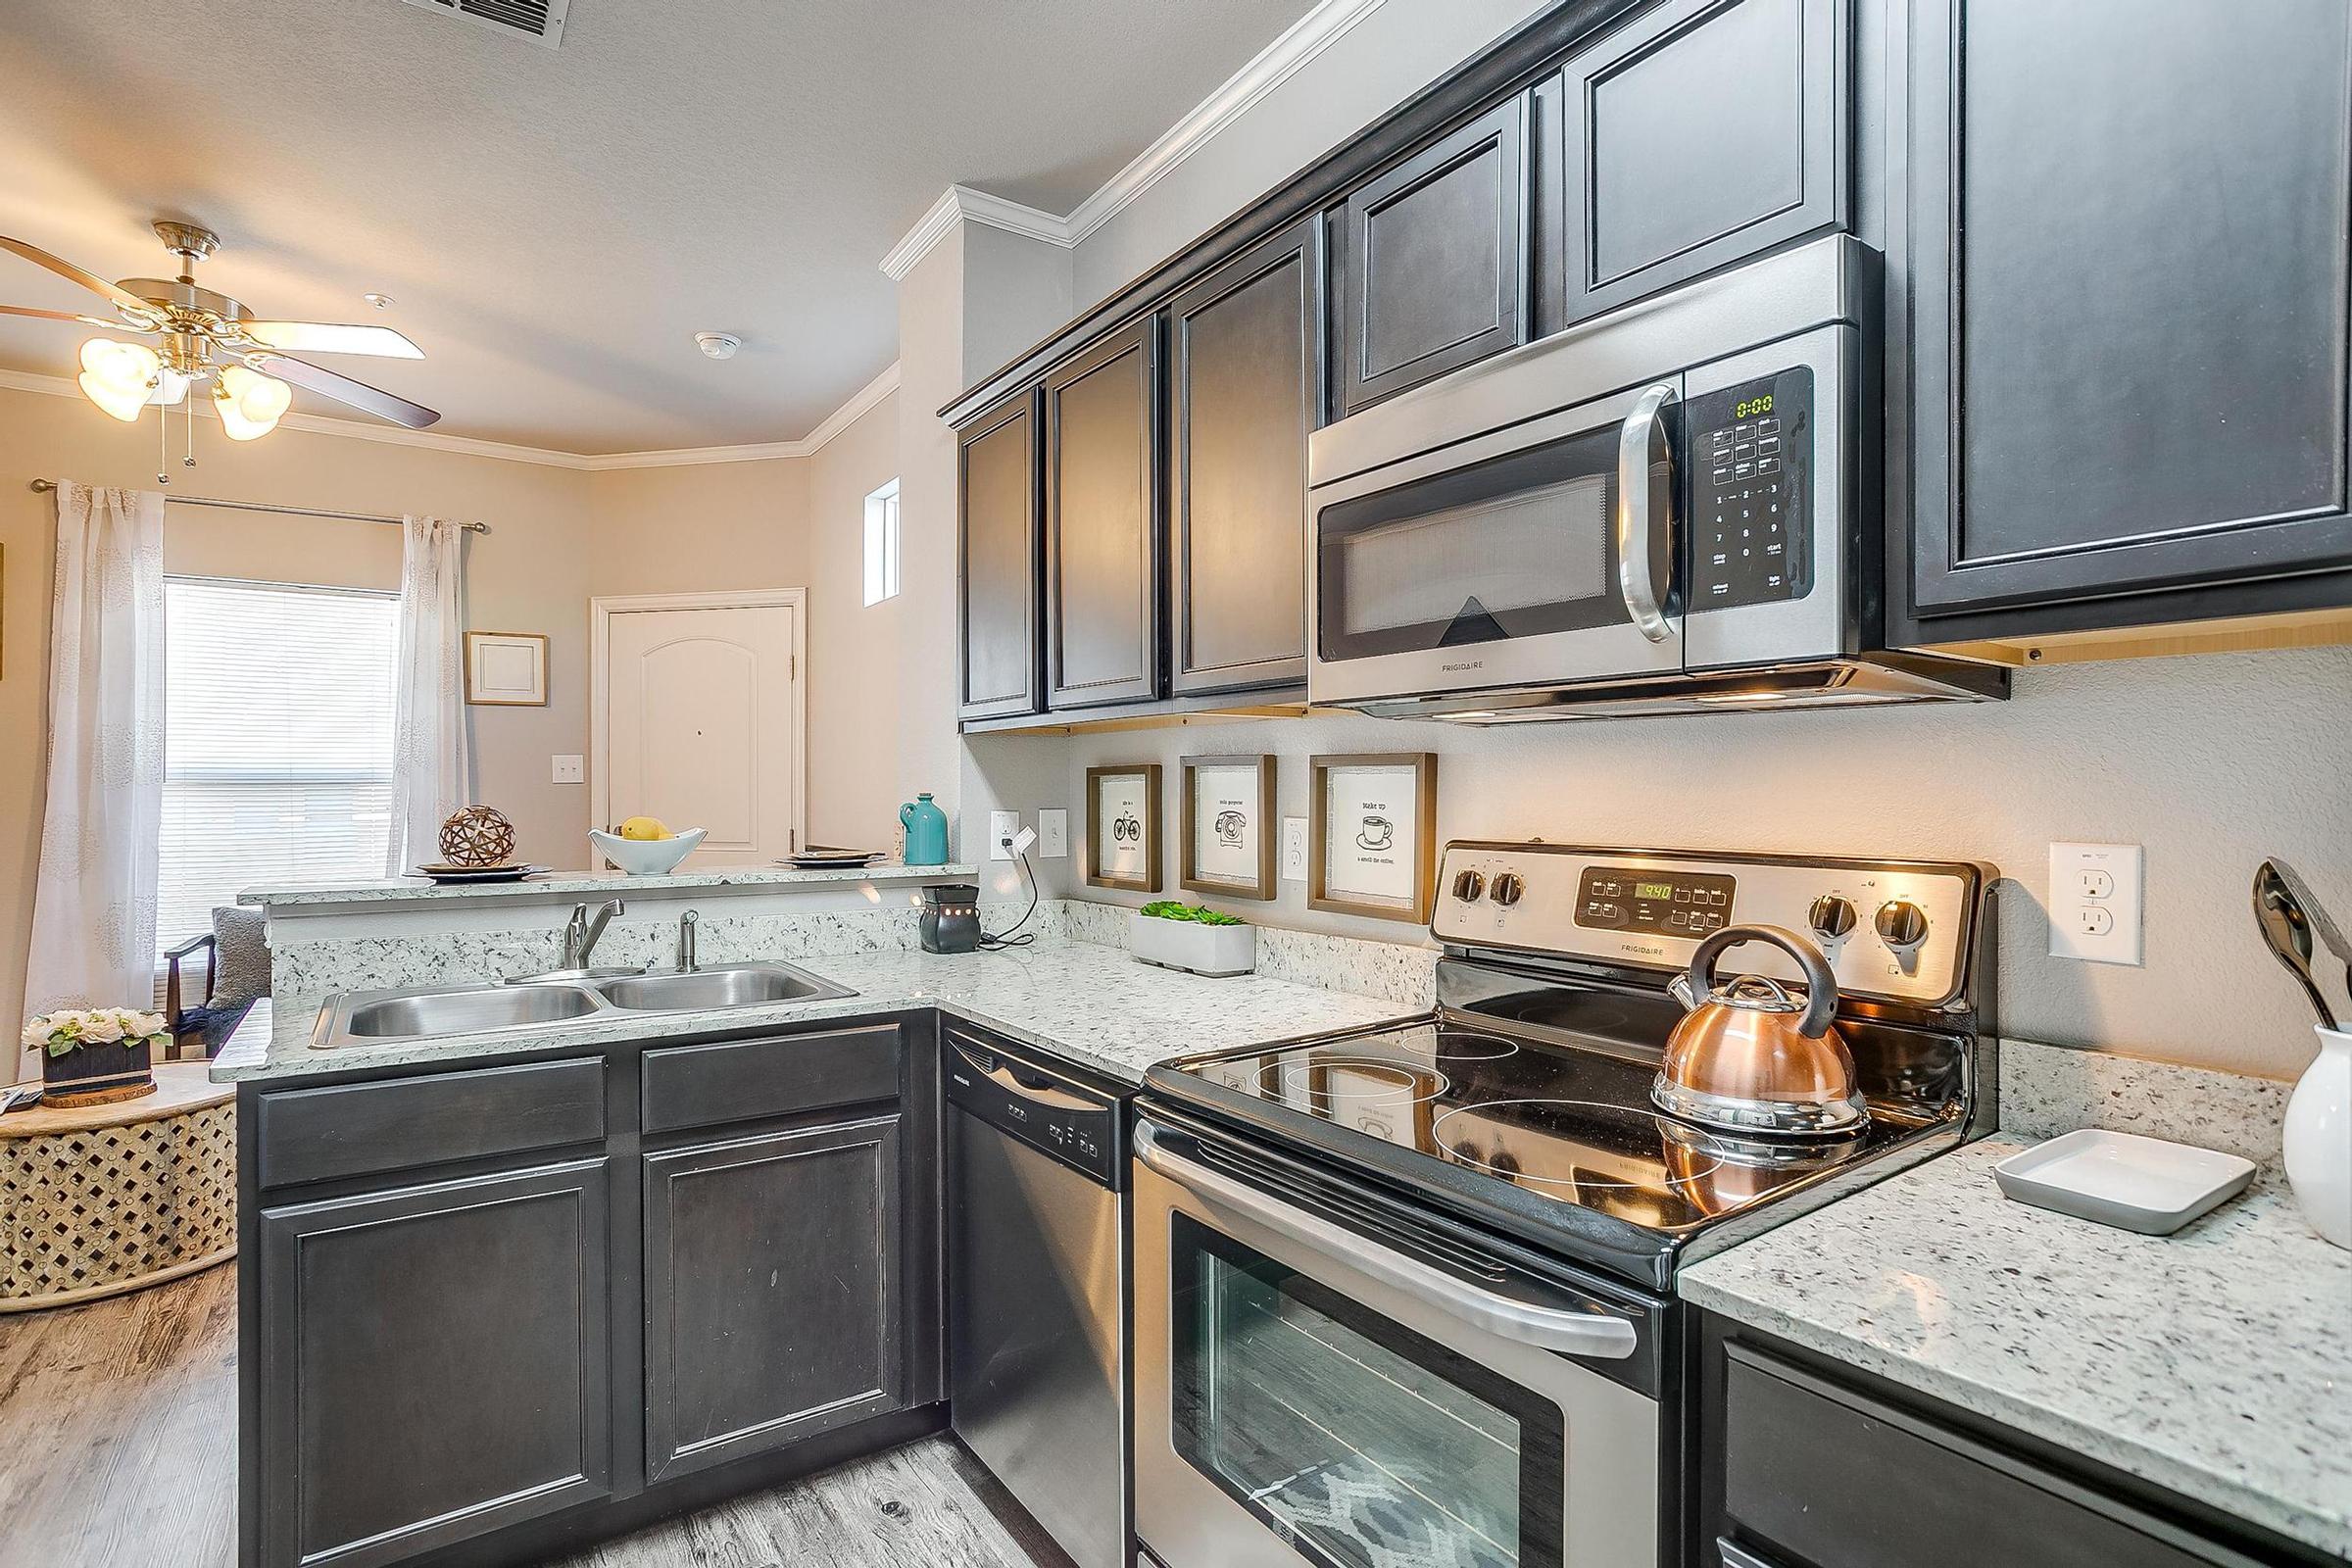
480	835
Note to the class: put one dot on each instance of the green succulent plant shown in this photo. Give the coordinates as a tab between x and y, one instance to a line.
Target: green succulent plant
1198	914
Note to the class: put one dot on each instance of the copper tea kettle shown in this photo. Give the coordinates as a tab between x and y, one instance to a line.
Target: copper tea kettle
1749	1056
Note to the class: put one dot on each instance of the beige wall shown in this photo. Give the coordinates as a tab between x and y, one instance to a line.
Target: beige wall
531	574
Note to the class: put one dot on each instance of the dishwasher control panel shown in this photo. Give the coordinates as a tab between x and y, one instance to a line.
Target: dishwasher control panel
1046	1109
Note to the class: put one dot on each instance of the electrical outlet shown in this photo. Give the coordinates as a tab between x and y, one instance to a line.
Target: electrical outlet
1001	826
2095	902
1294	849
1052	833
571	769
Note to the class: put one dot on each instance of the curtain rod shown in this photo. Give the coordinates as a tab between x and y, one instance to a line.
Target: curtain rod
44	485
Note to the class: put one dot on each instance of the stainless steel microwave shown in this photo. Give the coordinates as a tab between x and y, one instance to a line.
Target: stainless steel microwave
1657	509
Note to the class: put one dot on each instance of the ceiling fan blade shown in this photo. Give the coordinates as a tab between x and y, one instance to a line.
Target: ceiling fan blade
327	337
66	269
342	388
65	315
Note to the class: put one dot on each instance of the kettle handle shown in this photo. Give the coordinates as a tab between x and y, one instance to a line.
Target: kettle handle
1821	986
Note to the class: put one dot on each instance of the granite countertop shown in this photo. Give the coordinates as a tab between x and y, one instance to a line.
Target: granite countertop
2215	1362
1084	1003
557	884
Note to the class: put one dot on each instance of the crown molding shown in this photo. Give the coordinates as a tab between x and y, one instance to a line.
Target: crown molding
962	204
860	403
1272	66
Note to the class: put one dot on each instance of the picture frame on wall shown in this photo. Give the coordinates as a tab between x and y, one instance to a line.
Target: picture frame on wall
1228	821
506	668
1372	834
1122	827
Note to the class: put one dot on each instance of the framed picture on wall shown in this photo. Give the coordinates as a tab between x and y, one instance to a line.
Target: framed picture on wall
1228	815
1373	827
1122	827
506	668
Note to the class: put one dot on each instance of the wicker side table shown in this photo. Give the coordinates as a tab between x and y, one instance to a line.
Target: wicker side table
106	1199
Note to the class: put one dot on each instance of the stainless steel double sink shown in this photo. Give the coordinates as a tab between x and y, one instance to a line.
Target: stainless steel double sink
432	1012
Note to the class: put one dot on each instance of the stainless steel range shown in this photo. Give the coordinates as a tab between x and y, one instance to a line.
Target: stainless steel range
1405	1294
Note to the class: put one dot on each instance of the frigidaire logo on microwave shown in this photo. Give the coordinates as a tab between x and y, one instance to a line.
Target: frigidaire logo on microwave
1475	664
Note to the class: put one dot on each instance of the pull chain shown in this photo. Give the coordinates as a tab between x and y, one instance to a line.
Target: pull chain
162	444
189	398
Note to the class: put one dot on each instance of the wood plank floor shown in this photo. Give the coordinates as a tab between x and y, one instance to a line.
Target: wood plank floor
119	1447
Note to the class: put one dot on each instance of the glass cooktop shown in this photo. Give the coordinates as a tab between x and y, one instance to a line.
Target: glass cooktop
1567	1124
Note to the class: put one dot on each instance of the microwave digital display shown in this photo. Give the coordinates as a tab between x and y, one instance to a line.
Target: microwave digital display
1750	407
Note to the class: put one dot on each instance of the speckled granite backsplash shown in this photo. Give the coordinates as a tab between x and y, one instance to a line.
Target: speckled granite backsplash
2048	1090
1395	971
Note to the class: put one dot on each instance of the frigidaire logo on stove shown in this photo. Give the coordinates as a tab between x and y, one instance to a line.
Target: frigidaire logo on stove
1646	948
1475	664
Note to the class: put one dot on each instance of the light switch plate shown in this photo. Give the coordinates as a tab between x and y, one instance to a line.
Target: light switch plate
1052	833
2095	902
1294	849
571	769
1001	825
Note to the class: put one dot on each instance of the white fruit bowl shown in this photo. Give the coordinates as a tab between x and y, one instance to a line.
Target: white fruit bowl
646	856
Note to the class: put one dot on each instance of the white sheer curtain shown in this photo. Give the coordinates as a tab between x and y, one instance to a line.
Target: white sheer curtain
431	769
94	899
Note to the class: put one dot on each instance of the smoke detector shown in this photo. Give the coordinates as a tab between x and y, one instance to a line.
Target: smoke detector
717	345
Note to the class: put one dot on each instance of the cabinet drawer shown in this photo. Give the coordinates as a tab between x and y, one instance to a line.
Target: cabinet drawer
312	1135
738	1080
1836	1480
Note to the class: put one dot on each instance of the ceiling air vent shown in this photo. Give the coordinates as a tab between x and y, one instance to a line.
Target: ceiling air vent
540	21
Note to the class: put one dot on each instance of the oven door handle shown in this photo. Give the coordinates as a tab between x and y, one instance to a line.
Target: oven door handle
1639	444
1546	1328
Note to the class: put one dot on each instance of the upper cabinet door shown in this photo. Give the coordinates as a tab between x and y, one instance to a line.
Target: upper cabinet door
1103	596
998	544
1245	388
2128	269
1435	274
1705	132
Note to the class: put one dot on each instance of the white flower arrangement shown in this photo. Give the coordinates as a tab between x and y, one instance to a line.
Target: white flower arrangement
72	1028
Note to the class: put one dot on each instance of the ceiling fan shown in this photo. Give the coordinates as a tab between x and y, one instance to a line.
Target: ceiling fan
207	337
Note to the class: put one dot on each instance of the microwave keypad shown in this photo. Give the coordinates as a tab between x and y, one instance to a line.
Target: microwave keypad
1749	500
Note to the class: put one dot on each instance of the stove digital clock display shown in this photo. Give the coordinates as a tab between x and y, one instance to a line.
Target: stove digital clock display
1675	904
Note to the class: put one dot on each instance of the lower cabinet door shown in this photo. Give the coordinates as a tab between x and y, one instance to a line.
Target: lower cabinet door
434	1363
772	1290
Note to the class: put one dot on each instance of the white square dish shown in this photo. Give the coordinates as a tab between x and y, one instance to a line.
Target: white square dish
2122	1179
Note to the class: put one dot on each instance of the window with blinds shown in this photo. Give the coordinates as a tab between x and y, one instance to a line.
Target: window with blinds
277	741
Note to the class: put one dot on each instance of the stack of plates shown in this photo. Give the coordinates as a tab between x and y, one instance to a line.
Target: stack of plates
460	875
830	857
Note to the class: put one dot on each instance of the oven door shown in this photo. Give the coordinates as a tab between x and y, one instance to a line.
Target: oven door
1306	1396
1540	554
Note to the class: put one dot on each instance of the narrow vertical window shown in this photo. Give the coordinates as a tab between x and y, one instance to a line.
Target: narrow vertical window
882	544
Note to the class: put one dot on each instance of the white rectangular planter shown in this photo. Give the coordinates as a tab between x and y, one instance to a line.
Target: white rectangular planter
1212	950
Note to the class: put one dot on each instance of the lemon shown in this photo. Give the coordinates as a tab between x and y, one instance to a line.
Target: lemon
645	827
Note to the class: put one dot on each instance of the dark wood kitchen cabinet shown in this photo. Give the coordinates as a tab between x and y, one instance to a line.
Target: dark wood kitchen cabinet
772	1290
1245	389
1102	522
1434	267
999	529
434	1362
1700	132
2129	281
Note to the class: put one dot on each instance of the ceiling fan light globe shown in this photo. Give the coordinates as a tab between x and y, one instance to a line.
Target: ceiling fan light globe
249	403
120	376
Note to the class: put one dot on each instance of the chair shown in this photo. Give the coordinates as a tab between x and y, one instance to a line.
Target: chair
236	974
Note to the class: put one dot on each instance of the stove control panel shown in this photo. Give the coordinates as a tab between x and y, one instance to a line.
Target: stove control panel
1892	930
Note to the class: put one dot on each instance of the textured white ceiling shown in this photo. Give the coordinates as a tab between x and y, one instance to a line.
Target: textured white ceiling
554	225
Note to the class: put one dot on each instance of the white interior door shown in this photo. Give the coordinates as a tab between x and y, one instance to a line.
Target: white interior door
700	712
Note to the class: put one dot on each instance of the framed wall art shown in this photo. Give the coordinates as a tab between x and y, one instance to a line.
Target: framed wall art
506	668
1373	829
1122	827
1228	820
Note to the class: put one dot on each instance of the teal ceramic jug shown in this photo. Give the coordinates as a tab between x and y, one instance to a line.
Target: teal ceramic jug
927	832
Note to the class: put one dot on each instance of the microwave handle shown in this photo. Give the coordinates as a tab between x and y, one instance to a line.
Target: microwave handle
1638	524
1570	1332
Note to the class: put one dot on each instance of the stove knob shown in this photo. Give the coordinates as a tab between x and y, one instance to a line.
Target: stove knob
1902	924
1507	889
1468	885
1832	916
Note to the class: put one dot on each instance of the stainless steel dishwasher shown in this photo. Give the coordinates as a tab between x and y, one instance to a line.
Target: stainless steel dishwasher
1037	1354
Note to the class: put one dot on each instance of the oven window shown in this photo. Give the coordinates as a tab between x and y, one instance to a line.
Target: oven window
1361	1443
1518	546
